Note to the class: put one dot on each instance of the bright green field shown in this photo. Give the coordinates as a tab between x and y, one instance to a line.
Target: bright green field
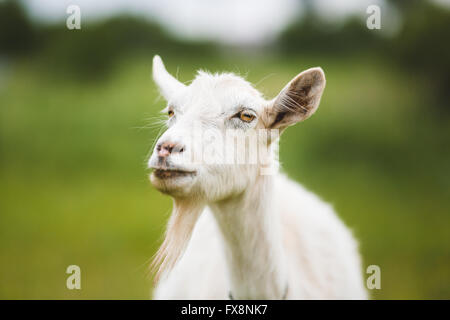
74	186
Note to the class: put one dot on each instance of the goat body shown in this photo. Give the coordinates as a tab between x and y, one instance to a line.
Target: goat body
239	229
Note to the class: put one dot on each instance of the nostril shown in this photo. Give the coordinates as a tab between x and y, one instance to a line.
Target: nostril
166	148
177	148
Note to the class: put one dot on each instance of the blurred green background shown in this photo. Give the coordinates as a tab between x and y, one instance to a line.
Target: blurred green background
76	115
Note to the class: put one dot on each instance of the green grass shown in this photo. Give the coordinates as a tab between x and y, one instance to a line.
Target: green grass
74	187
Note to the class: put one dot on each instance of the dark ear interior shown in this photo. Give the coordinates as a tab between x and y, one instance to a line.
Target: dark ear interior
298	100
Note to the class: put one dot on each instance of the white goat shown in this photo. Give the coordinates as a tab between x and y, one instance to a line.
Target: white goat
235	232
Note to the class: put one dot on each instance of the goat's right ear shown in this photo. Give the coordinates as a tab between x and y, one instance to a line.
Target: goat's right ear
167	84
297	101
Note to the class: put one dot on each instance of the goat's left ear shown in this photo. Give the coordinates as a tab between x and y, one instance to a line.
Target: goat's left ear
297	101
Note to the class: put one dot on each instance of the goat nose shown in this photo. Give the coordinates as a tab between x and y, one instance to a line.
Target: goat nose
164	149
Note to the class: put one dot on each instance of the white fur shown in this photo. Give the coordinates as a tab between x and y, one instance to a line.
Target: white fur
259	236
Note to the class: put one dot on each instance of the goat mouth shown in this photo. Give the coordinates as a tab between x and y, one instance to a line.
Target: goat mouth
172	173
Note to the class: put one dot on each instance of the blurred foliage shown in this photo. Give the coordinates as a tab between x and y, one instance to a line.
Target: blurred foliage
421	47
77	115
17	35
310	34
92	52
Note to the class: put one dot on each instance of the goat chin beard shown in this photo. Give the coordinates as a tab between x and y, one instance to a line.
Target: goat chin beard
178	233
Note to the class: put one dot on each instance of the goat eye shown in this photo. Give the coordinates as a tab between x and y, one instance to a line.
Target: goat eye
246	117
170	113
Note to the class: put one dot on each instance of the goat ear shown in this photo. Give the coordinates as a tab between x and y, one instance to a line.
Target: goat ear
167	84
297	101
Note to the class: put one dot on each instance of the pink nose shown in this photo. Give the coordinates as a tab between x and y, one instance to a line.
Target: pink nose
165	149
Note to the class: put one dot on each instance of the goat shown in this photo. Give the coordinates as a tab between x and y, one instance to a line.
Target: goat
235	230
